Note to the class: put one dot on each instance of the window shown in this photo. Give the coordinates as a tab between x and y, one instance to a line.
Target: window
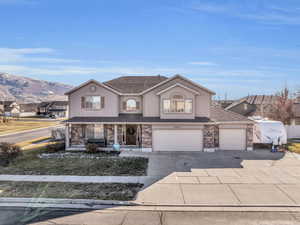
94	131
178	105
92	102
131	105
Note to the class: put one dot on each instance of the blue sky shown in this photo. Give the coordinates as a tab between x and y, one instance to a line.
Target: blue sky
234	47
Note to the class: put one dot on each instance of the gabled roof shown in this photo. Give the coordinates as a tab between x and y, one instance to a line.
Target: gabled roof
218	114
255	100
137	85
177	85
134	84
181	77
92	81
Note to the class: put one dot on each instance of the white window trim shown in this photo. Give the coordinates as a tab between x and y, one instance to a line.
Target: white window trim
184	112
131	110
91	109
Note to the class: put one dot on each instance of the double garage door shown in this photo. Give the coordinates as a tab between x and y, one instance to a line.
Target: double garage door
192	140
177	140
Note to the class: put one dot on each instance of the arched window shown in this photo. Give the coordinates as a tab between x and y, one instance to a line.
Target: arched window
131	105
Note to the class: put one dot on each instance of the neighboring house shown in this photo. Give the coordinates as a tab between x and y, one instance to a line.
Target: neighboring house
10	108
254	105
28	109
153	113
296	110
223	103
53	108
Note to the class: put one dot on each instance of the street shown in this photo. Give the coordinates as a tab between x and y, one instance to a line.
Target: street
26	135
114	216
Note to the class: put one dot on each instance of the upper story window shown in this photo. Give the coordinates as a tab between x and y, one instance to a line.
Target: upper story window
92	102
131	105
177	104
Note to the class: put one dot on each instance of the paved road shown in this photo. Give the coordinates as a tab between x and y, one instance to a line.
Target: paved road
41	216
28	135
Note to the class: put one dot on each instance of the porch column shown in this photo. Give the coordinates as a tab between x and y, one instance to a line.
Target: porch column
116	134
67	136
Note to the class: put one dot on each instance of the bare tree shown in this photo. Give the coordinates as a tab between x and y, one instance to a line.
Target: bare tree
282	109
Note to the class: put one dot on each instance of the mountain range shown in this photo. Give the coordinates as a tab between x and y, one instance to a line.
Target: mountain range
24	89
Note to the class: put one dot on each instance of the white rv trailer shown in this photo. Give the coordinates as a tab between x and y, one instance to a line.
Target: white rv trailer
269	132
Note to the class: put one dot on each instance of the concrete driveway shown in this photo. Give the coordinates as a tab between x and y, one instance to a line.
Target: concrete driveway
230	178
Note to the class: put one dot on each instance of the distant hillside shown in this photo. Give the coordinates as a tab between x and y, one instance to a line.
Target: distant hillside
24	89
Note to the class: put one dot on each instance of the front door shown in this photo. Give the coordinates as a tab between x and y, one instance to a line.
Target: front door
131	132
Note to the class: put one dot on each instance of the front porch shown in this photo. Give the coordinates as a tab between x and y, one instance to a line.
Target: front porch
133	137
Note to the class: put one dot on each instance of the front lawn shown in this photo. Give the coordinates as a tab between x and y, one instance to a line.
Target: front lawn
30	164
14	125
111	191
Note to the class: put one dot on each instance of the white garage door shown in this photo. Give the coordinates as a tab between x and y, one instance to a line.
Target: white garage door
177	140
232	139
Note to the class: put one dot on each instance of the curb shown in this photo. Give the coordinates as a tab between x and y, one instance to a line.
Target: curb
88	204
79	179
62	203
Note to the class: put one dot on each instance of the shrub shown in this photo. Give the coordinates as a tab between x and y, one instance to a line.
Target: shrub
8	152
57	147
91	148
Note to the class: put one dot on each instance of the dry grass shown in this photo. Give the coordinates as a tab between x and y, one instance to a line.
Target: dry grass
30	164
17	125
109	191
294	147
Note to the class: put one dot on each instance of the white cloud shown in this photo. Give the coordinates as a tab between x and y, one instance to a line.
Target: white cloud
202	63
262	12
17	55
12	2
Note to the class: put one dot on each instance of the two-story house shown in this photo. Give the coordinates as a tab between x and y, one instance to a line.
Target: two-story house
58	109
153	113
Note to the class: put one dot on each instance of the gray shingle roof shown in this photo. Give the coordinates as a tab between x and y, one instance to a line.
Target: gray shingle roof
218	114
134	84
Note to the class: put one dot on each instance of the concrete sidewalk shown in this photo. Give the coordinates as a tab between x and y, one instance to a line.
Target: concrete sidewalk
76	179
116	216
270	186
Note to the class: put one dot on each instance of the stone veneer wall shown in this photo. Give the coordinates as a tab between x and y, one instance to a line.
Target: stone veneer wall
146	136
77	134
249	136
210	136
109	134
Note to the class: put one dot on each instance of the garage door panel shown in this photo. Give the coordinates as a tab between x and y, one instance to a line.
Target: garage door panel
177	140
232	139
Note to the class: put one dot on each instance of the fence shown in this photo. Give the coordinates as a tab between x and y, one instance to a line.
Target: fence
293	131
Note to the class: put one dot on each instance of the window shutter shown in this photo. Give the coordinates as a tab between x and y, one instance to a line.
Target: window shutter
102	102
82	102
137	105
124	105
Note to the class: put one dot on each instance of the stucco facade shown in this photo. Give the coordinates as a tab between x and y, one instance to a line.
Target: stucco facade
138	128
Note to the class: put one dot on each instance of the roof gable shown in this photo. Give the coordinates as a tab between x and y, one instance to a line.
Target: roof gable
178	85
182	78
89	82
